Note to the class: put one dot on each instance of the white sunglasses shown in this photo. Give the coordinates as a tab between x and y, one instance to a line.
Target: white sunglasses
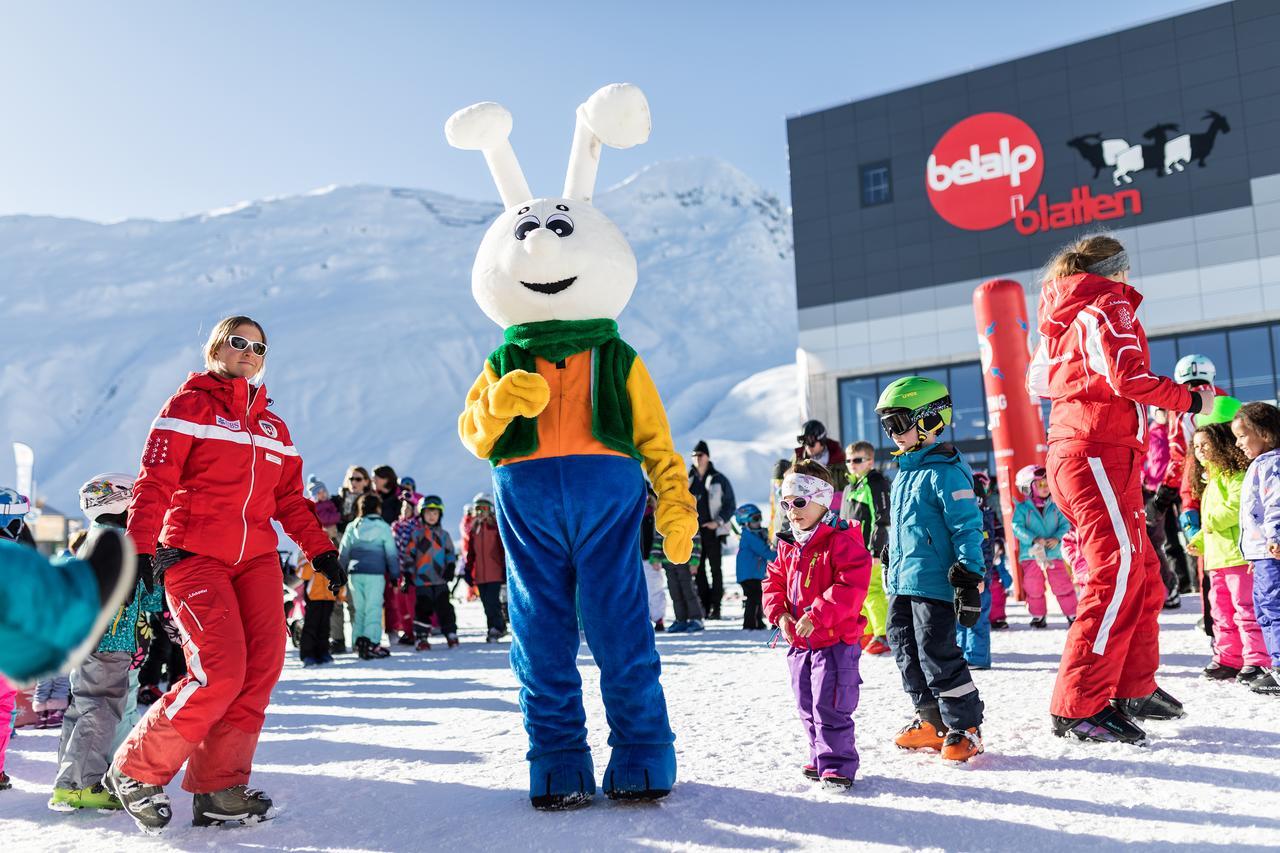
241	344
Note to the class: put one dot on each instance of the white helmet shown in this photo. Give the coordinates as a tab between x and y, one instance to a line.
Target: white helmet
1195	368
106	494
12	505
1027	475
482	498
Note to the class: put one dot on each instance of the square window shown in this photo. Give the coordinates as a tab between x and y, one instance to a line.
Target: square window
875	183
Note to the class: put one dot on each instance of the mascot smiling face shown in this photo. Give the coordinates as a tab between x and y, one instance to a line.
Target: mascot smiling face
553	259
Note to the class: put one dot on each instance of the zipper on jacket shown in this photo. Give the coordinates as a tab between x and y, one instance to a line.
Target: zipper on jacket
253	459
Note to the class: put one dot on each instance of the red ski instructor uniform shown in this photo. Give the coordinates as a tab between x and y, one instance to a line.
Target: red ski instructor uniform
1100	382
216	469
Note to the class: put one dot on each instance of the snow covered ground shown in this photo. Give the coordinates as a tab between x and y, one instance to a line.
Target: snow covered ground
425	751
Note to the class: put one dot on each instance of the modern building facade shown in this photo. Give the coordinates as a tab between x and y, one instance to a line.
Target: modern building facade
1166	134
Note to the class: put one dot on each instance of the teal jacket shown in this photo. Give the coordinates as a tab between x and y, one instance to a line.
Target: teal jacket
936	523
122	631
1031	523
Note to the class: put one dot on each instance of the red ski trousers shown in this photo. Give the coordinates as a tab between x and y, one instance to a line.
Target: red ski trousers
1113	649
231	618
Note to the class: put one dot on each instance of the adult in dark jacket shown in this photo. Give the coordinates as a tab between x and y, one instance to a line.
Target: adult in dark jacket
386	485
716	504
815	444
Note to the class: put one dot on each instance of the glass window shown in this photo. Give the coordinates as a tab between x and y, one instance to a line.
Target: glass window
858	419
1164	356
1212	344
1251	374
875	184
969	404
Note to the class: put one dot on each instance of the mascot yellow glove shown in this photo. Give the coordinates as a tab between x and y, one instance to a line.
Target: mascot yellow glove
519	393
678	524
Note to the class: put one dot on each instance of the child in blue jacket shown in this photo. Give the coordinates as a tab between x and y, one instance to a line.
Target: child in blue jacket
935	572
754	556
975	642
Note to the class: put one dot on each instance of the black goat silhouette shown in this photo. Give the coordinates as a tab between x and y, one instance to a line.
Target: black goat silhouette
1202	143
1153	154
1090	147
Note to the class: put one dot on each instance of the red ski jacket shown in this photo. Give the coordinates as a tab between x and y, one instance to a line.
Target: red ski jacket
828	577
216	469
1099	375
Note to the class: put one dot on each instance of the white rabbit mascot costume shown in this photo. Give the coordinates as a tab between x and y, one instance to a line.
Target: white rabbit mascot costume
566	413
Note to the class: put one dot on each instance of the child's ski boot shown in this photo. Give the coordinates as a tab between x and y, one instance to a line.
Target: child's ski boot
424	645
1249	674
1158	706
98	797
926	731
961	745
1039	621
877	646
810	772
1268	684
5	783
1220	672
1110	725
833	781
64	800
451	640
238	805
148	805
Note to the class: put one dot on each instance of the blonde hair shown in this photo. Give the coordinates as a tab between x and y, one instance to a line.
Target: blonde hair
225	329
1074	258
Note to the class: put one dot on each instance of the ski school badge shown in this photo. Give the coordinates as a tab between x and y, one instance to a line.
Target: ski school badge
268	429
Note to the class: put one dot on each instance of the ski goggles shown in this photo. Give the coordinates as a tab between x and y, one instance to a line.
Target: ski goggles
240	344
897	422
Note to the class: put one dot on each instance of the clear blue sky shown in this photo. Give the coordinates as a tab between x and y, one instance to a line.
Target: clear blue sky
150	109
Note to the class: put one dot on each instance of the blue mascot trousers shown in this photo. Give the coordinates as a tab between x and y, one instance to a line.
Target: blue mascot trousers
572	524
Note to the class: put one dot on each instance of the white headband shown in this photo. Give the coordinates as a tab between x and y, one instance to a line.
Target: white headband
804	486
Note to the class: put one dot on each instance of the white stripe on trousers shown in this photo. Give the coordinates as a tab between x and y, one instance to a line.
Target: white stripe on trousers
198	678
1126	554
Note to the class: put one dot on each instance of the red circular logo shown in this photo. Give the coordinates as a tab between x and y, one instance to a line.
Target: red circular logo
984	170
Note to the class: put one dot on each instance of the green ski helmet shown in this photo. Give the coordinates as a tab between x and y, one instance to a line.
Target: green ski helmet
914	401
1223	412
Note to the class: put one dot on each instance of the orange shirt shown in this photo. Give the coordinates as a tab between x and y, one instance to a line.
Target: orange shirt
564	427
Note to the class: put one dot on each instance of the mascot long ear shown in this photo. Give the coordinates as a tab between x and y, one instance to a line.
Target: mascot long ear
617	115
486	127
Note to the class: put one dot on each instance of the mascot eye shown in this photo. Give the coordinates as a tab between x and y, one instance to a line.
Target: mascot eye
525	225
560	224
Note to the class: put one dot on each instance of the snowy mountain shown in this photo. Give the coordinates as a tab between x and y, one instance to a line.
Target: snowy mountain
365	295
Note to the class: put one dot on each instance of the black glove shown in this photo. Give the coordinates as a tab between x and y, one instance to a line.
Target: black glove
146	572
327	564
968	600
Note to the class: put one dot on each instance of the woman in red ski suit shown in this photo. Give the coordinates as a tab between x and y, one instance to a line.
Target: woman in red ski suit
217	468
1100	382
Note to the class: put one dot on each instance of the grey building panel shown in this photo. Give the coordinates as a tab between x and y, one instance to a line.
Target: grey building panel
1227	250
880	260
1220	95
844	289
1093	97
1097	52
1226	223
872	128
1257	84
1193	23
1159	56
1259	32
1210	69
882	284
1219	171
1259	58
1250	10
837	117
995	75
877	107
1221	197
1209	43
1151	83
1267	218
1041	63
1148	35
1269	243
1264	160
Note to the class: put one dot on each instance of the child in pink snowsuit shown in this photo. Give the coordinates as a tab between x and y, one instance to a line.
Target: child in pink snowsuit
1039	526
8	696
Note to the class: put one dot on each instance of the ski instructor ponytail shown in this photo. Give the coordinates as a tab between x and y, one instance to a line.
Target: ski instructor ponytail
1100	254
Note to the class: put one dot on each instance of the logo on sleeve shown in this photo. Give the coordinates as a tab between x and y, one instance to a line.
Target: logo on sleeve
268	429
226	424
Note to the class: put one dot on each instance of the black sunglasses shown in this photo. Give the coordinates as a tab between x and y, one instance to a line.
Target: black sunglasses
858	460
240	344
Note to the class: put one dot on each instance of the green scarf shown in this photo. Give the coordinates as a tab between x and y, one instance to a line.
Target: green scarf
556	340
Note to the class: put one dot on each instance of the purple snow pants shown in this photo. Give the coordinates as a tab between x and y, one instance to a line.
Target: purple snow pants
825	682
1266	604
